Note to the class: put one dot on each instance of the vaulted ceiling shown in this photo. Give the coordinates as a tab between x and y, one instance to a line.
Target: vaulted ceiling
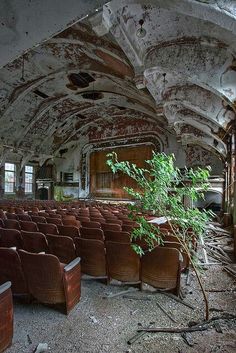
176	71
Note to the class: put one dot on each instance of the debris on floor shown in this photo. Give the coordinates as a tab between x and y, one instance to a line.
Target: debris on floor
118	324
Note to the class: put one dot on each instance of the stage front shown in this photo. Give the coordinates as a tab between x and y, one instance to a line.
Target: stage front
105	184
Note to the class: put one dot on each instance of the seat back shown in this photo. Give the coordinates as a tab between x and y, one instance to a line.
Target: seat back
177	245
92	233
11	270
23	217
38	219
10	238
54	215
91	224
34	242
56	221
83	218
68	217
160	268
111	226
127	228
62	247
123	264
6	316
69	231
19	211
44	276
47	228
34	209
11	215
97	219
43	214
93	257
28	226
114	221
71	222
12	224
120	237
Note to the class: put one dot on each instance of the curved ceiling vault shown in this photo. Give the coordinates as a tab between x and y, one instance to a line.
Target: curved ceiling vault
98	76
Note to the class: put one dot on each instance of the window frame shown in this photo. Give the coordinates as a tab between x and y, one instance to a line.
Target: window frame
9	182
27	183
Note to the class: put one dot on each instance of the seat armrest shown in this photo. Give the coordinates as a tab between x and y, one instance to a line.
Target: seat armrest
5	286
72	264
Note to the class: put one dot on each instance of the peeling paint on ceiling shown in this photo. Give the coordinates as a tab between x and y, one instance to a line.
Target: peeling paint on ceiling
100	78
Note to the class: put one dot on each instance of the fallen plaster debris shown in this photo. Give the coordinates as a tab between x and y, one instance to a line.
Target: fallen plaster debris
41	347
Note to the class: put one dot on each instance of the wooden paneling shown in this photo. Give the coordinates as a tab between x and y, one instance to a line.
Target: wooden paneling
103	183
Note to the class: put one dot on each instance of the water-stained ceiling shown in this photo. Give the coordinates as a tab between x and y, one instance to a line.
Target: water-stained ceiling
174	72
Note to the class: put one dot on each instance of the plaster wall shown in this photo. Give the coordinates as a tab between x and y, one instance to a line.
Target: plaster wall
77	160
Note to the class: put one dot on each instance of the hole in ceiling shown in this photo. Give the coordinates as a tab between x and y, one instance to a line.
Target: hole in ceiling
81	80
120	107
40	94
228	107
80	116
92	95
62	151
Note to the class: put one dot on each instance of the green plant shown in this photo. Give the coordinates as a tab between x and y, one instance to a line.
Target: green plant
161	190
60	196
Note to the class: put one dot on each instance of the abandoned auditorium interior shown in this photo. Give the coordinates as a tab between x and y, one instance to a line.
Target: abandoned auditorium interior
118	176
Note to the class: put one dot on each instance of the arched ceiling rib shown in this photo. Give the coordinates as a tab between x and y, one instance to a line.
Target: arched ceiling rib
186	59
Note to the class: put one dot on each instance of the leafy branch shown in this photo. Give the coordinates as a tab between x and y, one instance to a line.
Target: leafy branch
161	191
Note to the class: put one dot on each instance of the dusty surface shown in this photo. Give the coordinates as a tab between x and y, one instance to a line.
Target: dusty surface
99	325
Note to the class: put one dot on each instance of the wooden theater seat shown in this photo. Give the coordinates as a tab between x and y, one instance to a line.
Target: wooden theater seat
97	219
34	242
92	233
56	221
54	215
62	247
6	316
120	237
91	224
28	226
11	270
11	215
177	245
114	221
10	238
161	268
12	224
111	226
83	218
38	219
23	217
69	231
51	282
71	222
123	264
68	217
93	257
47	228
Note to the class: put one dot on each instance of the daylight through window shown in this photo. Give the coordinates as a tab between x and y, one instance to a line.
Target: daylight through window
10	177
29	177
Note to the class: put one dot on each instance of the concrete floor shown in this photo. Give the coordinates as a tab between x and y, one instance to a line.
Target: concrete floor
99	325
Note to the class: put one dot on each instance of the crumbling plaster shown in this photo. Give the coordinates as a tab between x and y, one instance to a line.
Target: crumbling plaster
25	23
177	84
